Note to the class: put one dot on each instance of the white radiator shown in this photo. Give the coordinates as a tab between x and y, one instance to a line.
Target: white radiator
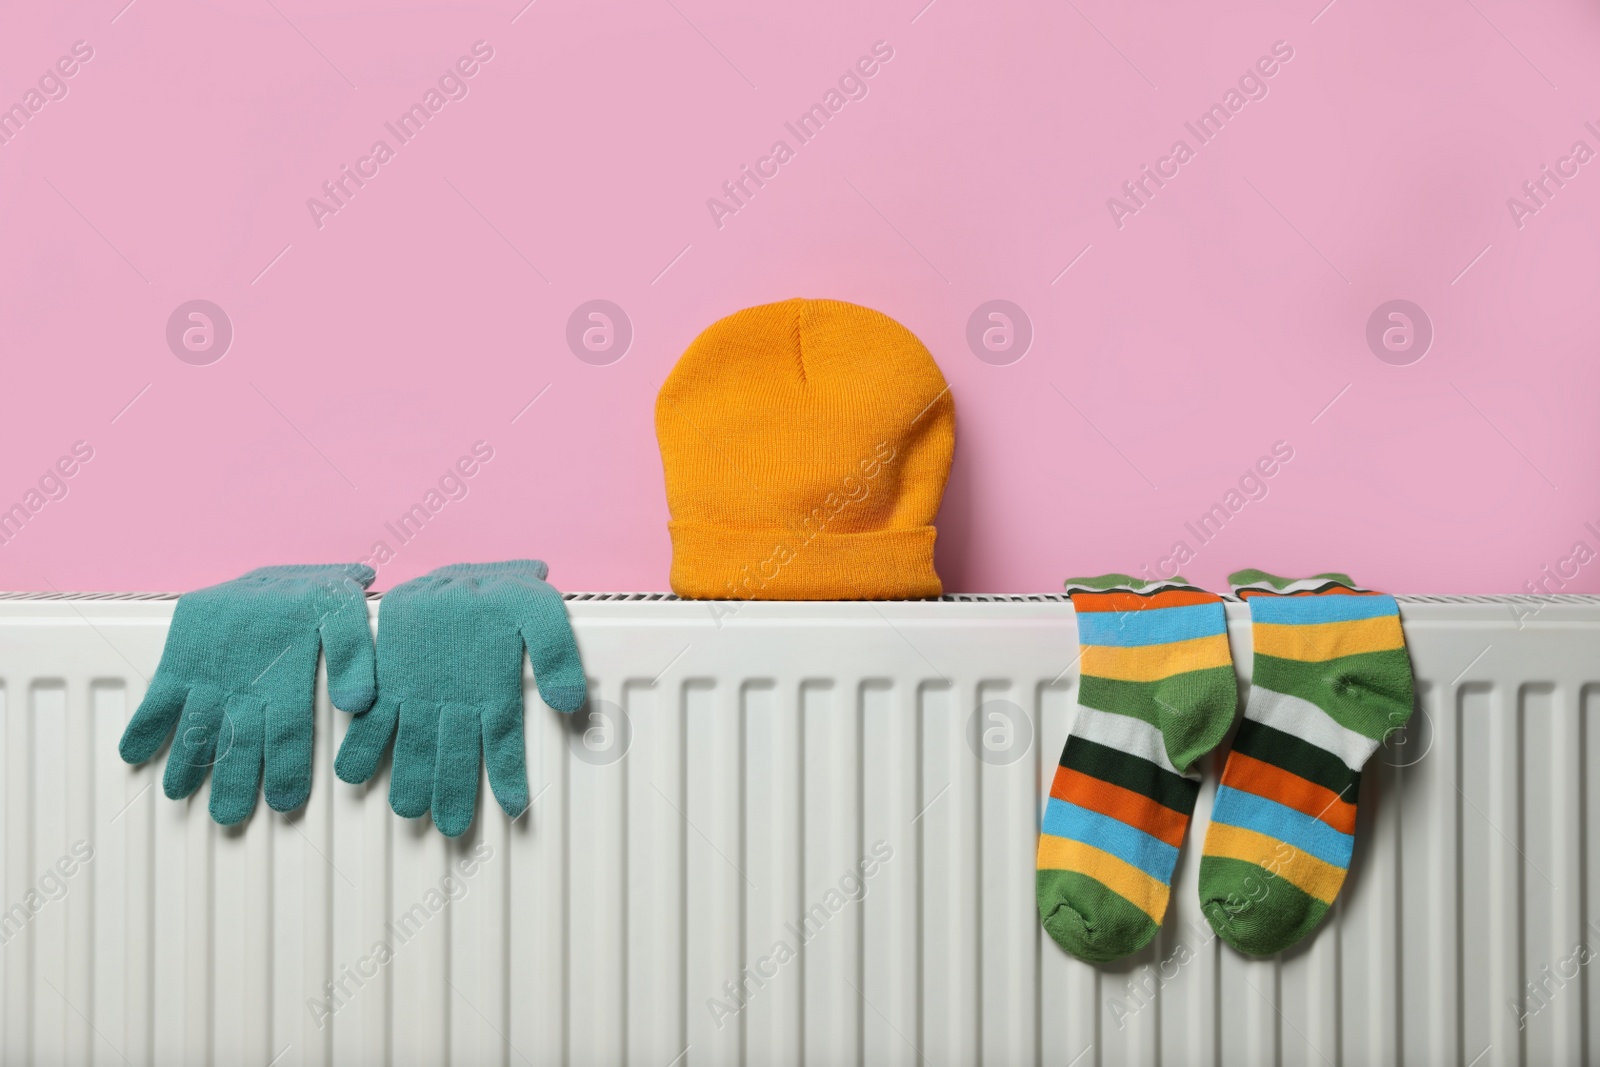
768	754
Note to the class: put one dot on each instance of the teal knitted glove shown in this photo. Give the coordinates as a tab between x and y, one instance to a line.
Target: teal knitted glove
450	685
240	667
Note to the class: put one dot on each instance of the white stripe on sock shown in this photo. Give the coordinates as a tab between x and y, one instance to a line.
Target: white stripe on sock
1125	734
1308	722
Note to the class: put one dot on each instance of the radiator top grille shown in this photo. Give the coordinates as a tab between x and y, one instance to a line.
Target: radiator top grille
1590	599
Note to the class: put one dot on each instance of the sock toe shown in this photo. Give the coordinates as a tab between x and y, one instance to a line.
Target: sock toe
1088	919
1254	910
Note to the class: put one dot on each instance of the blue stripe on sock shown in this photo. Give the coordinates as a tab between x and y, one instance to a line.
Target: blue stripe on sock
1151	855
1238	808
1152	626
1329	607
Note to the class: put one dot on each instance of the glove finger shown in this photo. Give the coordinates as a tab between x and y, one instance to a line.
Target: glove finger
236	774
557	667
364	743
289	725
506	754
347	647
455	786
416	743
194	750
150	725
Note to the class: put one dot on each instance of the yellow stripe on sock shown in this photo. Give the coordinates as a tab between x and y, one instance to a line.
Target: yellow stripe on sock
1300	869
1151	663
1314	642
1122	878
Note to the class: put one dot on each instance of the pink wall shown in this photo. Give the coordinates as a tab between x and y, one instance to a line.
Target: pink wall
1224	315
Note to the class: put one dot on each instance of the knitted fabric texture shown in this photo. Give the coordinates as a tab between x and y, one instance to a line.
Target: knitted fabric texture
1156	693
450	655
237	680
806	446
1331	681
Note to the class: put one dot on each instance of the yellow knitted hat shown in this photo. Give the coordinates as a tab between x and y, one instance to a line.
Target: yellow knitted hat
806	447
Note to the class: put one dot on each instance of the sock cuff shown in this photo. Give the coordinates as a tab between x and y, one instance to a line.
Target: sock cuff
1128	585
1247	583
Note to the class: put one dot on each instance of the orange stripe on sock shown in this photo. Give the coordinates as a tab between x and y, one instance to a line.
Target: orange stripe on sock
1119	601
1124	805
1265	780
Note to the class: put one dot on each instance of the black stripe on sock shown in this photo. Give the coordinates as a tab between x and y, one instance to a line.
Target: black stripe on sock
1131	773
1296	756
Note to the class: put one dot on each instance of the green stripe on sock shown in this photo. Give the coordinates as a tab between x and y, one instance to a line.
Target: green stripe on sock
1254	910
1179	706
1137	699
1290	753
1370	692
1132	773
1097	925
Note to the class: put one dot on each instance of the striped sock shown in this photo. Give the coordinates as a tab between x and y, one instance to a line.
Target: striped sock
1156	692
1331	679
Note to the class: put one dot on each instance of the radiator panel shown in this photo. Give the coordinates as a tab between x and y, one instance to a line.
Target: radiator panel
860	784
